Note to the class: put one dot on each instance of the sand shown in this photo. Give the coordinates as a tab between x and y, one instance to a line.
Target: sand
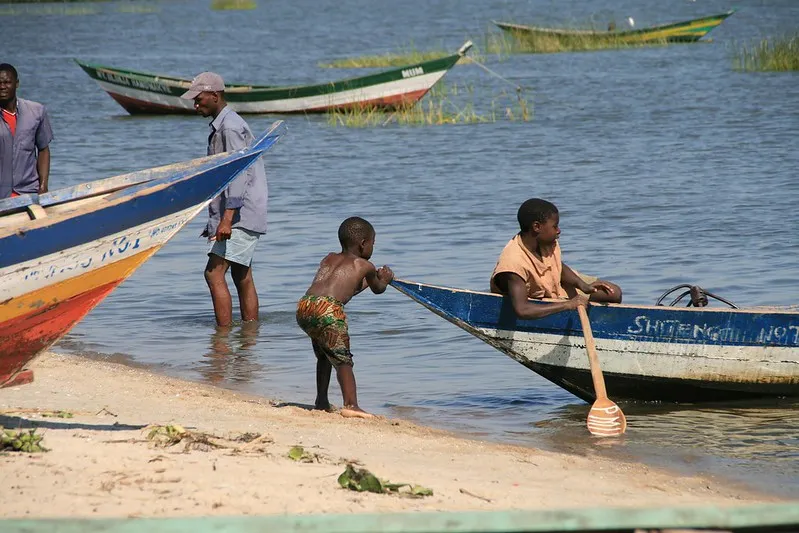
101	463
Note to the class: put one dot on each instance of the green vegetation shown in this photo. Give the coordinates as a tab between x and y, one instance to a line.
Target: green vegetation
504	44
444	104
362	480
226	5
406	56
781	54
20	440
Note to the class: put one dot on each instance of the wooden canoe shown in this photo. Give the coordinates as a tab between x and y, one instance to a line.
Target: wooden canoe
677	32
659	353
62	252
146	93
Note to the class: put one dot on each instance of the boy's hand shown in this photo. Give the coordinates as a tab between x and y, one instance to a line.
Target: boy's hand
385	274
577	301
600	285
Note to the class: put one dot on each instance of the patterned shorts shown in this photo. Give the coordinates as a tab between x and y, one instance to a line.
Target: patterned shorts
322	318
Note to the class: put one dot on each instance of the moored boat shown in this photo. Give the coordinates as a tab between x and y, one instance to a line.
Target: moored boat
62	252
147	93
677	32
661	353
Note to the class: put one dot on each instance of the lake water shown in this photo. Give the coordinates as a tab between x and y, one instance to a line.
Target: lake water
668	166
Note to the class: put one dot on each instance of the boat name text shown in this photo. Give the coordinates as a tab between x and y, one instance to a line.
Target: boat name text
770	335
132	82
411	72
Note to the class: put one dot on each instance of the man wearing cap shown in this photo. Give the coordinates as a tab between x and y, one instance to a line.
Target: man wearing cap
25	136
237	217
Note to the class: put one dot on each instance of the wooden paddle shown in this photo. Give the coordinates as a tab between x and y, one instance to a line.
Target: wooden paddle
605	419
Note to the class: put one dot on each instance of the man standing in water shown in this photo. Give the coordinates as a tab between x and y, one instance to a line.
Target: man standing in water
25	136
237	217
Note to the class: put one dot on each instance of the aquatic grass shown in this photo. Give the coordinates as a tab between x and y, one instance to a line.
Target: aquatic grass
406	56
137	8
440	106
61	9
775	55
507	43
233	5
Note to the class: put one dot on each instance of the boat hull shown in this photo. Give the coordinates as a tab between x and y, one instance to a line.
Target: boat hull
55	269
680	32
147	93
646	352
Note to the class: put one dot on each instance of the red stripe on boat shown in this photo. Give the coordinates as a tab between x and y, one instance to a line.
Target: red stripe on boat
22	338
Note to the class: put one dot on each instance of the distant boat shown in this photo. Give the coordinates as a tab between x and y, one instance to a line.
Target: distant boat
145	93
678	32
661	353
62	252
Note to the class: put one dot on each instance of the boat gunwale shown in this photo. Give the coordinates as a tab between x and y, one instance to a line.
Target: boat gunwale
565	32
142	188
751	310
237	88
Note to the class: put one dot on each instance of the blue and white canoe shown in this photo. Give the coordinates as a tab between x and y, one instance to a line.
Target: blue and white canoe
62	252
684	354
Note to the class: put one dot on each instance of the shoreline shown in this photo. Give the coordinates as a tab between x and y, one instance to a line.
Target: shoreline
100	463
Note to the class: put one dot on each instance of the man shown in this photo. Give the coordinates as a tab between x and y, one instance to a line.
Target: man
25	136
530	266
237	217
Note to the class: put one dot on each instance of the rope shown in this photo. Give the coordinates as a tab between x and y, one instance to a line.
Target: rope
476	62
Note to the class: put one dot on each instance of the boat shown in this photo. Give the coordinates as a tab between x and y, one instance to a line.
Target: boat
146	93
652	353
62	252
677	32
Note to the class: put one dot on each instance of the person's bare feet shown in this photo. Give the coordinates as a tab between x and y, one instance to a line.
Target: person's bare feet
355	412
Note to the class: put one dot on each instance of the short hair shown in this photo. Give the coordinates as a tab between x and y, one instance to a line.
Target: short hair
354	230
535	210
5	67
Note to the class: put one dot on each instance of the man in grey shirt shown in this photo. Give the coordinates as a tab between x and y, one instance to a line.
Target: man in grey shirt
25	136
237	217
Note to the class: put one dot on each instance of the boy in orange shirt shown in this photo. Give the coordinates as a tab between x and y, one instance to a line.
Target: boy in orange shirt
530	266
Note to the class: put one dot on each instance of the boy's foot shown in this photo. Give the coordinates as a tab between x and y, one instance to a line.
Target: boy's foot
327	407
355	412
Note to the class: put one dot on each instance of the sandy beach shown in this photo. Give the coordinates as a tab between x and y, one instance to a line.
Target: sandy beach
101	462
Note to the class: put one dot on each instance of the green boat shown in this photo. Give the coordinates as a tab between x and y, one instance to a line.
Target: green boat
677	32
147	93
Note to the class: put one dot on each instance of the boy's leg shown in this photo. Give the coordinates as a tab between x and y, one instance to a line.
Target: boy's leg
346	380
245	286
323	371
215	271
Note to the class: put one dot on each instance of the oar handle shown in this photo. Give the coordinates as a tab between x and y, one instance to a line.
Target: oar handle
593	358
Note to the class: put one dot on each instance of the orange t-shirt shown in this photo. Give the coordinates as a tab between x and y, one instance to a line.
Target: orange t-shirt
11	120
540	274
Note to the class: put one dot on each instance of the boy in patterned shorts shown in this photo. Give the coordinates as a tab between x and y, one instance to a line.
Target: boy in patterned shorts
320	313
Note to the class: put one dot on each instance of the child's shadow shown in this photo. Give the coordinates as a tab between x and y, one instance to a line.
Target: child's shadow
18	422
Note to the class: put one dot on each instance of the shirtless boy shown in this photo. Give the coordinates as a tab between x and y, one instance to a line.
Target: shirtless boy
320	313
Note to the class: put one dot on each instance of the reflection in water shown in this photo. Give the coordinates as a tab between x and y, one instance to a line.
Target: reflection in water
230	356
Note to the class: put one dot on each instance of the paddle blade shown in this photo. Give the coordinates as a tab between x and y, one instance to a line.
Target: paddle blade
605	419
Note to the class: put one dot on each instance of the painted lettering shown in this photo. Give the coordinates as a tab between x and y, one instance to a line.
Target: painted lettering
411	72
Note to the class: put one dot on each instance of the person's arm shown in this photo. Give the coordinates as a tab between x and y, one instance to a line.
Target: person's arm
233	197
517	292
569	277
44	136
43	168
378	279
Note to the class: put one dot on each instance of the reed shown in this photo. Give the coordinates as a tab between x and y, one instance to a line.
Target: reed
504	44
233	5
407	56
776	55
445	104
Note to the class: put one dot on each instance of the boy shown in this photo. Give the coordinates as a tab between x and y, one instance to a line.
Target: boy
320	313
530	266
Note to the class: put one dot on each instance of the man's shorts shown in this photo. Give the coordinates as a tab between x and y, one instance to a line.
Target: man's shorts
239	248
322	318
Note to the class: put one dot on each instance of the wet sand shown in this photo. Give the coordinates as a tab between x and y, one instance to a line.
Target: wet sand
101	462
